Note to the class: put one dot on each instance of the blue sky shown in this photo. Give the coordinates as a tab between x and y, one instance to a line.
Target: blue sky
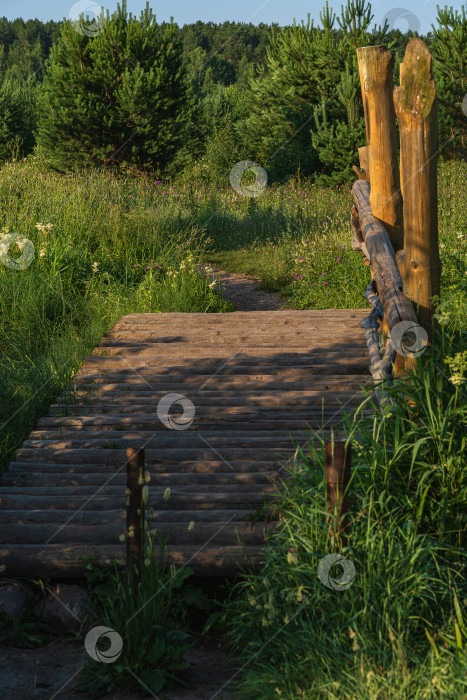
418	13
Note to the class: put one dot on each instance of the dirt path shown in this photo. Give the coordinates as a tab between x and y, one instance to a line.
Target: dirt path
243	291
51	672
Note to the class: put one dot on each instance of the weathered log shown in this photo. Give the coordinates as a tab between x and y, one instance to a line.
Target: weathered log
417	109
217	532
375	65
67	560
396	306
357	242
380	366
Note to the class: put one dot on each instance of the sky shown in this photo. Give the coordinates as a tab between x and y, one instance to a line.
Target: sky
417	14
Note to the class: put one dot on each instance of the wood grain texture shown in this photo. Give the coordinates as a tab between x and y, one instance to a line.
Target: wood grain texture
375	64
259	381
416	107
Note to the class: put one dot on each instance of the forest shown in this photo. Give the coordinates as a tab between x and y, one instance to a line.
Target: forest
235	90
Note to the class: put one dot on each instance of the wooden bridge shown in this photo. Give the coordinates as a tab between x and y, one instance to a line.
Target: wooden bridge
257	381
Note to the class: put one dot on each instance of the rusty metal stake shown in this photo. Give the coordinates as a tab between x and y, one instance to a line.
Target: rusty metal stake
337	468
134	513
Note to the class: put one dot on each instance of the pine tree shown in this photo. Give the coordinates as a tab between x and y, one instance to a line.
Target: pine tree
337	142
307	70
119	95
449	50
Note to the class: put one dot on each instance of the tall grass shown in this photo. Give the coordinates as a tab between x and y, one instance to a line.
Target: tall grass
101	250
400	630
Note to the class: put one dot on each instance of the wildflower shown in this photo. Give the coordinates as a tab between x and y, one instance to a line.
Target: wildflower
291	558
134	267
146	268
44	228
300	259
95	267
212	284
339	259
169	272
42	253
458	366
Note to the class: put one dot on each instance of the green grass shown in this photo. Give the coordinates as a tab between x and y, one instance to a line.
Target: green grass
96	262
296	238
399	631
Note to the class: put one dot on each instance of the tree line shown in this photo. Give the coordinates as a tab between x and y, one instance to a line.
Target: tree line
198	98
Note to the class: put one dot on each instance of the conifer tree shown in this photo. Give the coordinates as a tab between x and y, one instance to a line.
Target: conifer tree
449	50
309	70
121	94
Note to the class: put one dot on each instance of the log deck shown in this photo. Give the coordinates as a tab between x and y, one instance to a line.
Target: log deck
258	381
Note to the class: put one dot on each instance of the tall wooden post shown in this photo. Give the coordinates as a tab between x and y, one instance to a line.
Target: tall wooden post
416	107
337	466
134	514
375	64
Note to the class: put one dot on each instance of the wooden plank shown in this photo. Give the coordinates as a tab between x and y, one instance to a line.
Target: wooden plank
201	466
107	488
217	533
96	478
67	561
108	517
211	501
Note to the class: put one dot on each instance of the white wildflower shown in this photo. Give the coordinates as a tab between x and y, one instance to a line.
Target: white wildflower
95	267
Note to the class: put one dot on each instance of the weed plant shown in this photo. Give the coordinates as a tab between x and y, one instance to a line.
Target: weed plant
151	618
400	629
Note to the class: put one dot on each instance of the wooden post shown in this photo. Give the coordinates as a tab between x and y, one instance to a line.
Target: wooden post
375	64
417	109
337	468
134	514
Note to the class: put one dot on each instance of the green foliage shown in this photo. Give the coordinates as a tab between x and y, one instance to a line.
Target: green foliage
307	67
337	143
17	119
398	630
104	254
449	50
121	95
148	620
